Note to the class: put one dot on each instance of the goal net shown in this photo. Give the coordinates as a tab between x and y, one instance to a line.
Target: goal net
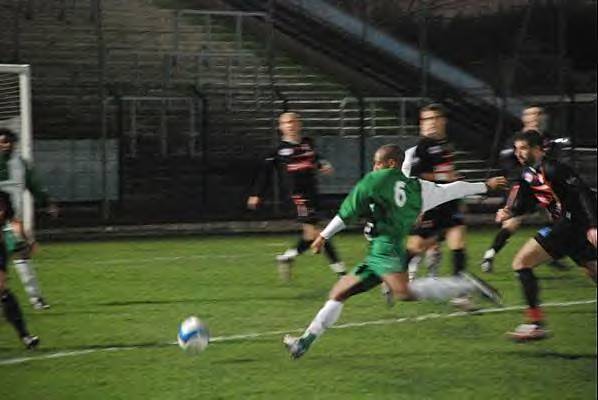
15	115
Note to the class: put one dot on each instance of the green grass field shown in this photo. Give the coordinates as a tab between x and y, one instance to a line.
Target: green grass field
116	307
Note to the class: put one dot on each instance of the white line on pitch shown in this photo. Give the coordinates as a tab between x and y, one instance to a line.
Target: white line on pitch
174	258
189	257
249	336
184	257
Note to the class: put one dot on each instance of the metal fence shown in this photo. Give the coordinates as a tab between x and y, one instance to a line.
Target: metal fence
198	122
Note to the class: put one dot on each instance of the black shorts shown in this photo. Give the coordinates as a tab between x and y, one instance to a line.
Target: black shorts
306	209
437	220
565	238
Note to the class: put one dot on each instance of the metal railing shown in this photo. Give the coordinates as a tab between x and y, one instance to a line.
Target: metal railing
133	127
59	8
224	71
220	69
376	108
208	17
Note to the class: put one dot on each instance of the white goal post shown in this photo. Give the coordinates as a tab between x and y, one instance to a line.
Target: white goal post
15	114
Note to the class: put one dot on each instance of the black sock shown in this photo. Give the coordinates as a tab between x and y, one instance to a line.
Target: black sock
458	261
529	283
12	312
303	245
330	252
500	240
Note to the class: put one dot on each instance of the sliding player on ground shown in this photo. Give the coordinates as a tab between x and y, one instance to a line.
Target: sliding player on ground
391	202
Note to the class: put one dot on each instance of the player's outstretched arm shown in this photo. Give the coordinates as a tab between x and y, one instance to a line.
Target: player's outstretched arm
497	183
434	194
335	226
356	204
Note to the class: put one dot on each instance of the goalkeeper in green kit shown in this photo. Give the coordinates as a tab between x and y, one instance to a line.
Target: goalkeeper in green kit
392	203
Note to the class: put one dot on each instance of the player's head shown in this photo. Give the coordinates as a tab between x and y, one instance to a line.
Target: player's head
388	156
528	147
7	140
432	121
289	124
534	118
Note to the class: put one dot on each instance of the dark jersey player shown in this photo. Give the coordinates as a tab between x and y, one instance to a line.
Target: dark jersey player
433	160
532	118
10	306
297	163
557	188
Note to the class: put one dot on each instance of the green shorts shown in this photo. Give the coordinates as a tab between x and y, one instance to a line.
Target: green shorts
383	258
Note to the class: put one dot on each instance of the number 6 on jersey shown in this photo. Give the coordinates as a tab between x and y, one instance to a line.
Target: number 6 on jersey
400	195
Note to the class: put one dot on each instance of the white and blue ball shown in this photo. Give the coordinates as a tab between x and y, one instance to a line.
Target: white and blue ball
193	336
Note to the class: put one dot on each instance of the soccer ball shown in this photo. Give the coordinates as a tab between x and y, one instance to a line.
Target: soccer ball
193	336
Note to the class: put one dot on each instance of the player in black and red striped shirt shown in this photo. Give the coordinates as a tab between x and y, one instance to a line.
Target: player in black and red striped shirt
533	118
298	164
554	186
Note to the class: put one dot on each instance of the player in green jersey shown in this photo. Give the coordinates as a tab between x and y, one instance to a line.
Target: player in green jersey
392	202
17	174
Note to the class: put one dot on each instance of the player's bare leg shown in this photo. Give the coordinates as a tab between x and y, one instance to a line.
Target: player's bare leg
444	289
346	287
530	256
416	247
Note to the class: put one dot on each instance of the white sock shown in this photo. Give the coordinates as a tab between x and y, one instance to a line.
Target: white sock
413	265
440	288
28	278
489	254
291	253
338	267
326	317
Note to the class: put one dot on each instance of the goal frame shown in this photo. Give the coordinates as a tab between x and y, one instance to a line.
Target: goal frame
25	134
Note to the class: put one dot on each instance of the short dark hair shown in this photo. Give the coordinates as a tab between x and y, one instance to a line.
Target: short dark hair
392	152
435	107
532	137
10	135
